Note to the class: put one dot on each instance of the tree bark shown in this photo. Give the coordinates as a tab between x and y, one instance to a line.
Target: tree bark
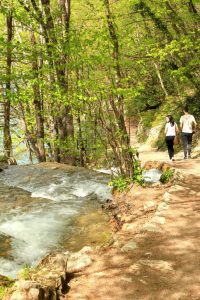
38	104
6	131
118	106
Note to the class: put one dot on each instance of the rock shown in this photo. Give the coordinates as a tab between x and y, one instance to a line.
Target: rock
192	192
158	220
149	205
166	197
161	265
130	227
135	269
178	176
177	187
30	290
130	246
78	261
151	227
162	206
127	279
57	260
86	249
48	278
151	175
127	219
12	161
162	166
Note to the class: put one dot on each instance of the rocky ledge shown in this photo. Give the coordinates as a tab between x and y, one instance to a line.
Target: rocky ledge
49	280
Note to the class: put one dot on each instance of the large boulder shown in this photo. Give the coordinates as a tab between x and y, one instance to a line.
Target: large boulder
30	290
50	278
46	282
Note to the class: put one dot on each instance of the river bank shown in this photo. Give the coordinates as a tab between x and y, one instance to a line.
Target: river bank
152	253
155	253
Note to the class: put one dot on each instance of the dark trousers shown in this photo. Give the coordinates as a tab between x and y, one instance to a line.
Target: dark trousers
187	143
170	145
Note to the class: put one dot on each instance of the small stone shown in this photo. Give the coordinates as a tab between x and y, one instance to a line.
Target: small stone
158	220
176	188
135	268
151	227
149	205
127	219
166	197
129	246
129	227
143	281
161	265
162	206
128	279
77	262
86	249
192	193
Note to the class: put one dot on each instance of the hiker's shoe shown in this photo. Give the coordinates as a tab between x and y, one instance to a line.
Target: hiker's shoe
185	157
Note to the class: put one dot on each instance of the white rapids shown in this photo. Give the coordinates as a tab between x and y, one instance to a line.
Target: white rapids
40	222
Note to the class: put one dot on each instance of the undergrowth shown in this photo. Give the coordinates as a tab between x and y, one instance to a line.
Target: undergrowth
166	175
24	272
121	183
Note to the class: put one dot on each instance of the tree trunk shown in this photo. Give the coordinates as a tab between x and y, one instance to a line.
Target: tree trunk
38	104
118	106
6	131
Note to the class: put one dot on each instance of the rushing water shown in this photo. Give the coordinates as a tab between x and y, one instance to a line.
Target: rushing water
39	210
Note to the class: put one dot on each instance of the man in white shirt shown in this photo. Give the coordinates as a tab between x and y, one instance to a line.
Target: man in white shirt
188	126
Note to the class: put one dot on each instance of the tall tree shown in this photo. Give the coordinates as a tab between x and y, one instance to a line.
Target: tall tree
7	132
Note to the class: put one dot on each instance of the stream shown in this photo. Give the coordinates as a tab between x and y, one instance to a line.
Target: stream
47	207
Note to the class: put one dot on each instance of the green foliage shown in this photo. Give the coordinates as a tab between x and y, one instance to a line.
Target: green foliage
3	291
193	103
3	159
120	183
166	175
137	174
24	272
158	58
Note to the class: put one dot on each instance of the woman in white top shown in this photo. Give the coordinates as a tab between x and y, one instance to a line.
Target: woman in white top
171	129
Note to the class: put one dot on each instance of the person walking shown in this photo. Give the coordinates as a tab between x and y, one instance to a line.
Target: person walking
171	130
188	126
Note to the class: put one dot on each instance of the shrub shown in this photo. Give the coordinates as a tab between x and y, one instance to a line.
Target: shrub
166	175
3	159
137	176
119	183
3	290
24	273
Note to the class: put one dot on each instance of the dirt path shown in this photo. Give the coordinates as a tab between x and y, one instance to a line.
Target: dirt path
155	255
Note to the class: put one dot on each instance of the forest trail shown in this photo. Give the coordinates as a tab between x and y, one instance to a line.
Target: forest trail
155	255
